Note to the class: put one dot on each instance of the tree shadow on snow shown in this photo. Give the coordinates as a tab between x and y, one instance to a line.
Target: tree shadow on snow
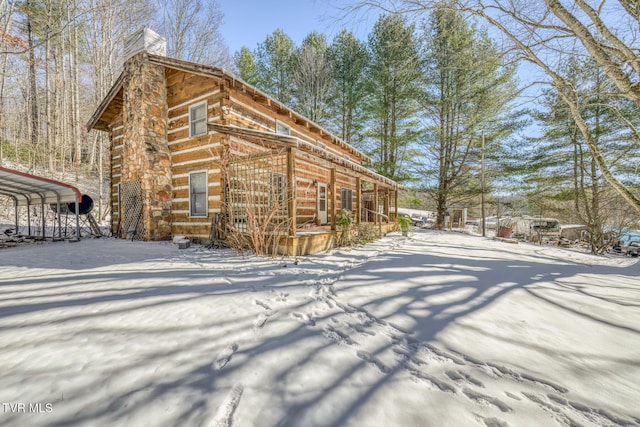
381	316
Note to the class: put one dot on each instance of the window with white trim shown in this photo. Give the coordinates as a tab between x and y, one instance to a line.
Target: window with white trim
282	129
198	194
346	199
198	119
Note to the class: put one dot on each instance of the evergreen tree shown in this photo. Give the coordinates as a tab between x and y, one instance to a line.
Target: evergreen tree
564	169
466	89
275	60
245	66
392	87
348	57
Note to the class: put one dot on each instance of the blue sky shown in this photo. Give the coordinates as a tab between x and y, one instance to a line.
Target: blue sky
248	22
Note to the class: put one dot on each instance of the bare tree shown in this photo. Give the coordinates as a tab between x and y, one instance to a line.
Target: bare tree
545	33
6	20
313	77
192	30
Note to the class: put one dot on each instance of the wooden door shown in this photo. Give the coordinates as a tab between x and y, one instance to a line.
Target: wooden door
322	203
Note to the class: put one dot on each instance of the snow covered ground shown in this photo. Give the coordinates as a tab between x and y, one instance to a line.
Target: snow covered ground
438	329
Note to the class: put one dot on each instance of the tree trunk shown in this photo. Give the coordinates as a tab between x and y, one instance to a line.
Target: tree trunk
564	90
33	88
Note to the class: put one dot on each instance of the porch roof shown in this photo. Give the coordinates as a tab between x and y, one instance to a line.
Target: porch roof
292	141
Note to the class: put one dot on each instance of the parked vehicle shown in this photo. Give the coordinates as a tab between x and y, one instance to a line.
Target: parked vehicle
535	229
619	244
416	222
630	247
428	222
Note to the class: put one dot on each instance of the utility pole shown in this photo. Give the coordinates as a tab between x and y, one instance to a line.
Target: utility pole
484	230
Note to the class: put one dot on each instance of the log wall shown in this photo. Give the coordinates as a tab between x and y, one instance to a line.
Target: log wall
247	111
116	136
228	104
201	153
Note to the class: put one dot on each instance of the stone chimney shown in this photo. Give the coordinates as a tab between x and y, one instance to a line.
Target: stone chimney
146	157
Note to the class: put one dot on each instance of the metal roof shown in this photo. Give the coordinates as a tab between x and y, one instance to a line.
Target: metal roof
114	99
27	189
292	141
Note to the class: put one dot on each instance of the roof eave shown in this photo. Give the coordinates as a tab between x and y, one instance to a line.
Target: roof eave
95	118
292	141
210	71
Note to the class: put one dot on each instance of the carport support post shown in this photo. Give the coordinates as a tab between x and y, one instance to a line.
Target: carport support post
15	202
44	224
28	217
77	218
58	214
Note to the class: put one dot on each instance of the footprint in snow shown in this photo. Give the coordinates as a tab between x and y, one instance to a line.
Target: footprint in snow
225	356
460	376
260	321
261	304
430	379
304	318
368	357
494	422
338	336
224	417
485	399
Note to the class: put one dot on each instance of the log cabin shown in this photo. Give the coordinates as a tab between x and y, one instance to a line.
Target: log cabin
196	151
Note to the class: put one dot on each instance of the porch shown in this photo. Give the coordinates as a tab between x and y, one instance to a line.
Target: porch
280	185
320	239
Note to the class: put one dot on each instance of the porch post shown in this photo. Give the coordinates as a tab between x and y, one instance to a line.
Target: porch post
222	219
386	203
375	203
291	191
333	199
396	200
358	210
224	185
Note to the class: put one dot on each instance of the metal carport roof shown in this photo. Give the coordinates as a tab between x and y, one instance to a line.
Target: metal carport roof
27	189
31	190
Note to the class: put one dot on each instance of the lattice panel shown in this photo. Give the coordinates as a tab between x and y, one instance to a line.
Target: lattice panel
131	205
256	191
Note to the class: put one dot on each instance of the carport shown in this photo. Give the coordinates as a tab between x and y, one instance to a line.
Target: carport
27	190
